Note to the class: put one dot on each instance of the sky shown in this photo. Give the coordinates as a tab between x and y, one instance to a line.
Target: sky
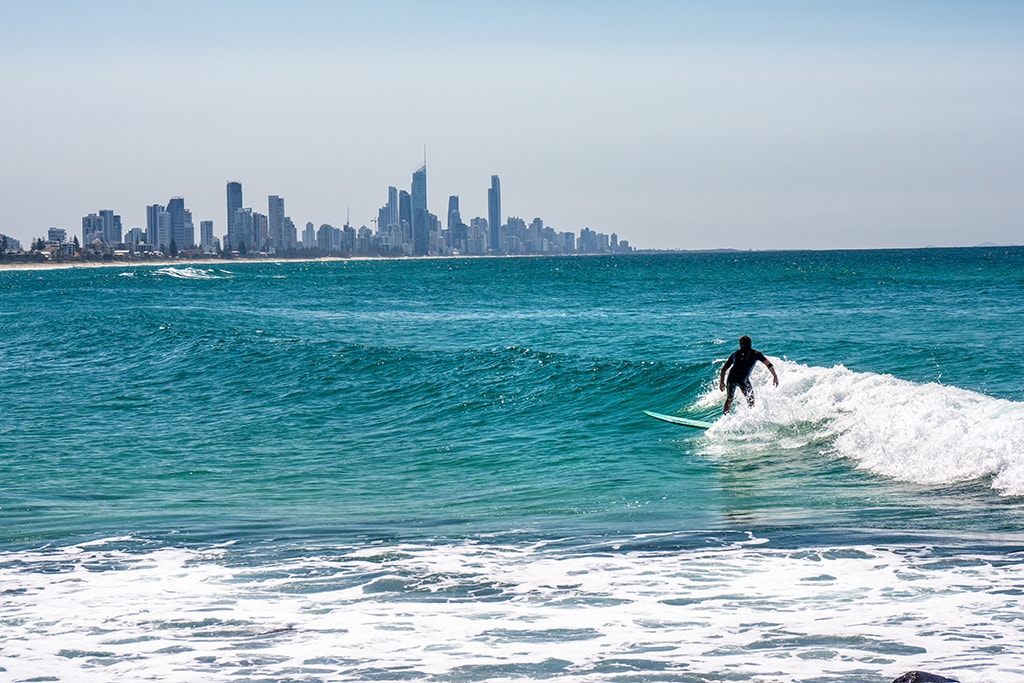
674	124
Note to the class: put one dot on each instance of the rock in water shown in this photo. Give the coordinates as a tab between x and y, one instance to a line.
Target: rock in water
923	677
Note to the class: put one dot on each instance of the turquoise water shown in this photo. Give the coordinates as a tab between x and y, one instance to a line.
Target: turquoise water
439	469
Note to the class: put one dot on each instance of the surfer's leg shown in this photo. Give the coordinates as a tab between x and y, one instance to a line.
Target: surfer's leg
728	397
748	391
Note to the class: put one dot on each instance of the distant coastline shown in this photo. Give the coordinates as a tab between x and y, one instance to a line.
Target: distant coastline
63	265
8	264
215	261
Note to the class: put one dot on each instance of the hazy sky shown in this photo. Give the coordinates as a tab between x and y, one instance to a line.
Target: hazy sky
675	124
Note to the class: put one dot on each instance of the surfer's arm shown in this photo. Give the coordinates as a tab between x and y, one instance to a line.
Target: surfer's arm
721	375
771	369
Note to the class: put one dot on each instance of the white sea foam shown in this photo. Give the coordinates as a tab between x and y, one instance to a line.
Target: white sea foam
190	273
924	433
490	612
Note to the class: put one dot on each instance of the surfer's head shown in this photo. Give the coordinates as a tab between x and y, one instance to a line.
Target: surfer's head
744	342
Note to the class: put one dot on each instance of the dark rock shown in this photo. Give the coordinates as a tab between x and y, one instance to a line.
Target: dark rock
923	677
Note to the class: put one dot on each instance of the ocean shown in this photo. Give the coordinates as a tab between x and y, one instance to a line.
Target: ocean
439	469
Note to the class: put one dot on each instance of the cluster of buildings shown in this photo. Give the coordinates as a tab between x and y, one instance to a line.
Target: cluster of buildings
404	227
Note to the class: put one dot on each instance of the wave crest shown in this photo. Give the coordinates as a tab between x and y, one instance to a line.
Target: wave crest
923	433
190	273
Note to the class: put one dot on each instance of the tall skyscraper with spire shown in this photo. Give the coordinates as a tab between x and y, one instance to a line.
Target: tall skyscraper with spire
420	219
494	214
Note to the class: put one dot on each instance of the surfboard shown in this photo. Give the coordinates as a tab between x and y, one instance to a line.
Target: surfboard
684	421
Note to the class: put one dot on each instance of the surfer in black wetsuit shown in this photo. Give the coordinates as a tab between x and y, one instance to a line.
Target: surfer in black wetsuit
739	367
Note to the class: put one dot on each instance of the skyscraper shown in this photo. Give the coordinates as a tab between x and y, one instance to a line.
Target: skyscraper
260	231
405	221
153	212
178	240
494	214
111	226
420	224
392	208
206	235
163	231
309	236
290	237
234	204
188	235
389	229
92	229
458	232
240	235
276	222
454	217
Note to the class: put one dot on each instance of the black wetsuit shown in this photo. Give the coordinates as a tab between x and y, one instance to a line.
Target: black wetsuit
741	363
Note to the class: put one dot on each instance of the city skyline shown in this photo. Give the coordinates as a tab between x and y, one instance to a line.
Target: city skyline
687	125
404	227
173	223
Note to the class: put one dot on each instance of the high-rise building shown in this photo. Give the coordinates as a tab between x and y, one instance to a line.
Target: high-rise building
92	229
389	229
178	238
9	244
420	222
392	208
405	222
290	237
57	235
234	204
260	230
188	235
514	241
477	237
152	218
134	238
309	236
206	235
454	217
328	238
535	236
111	226
275	216
240	236
163	231
458	232
494	214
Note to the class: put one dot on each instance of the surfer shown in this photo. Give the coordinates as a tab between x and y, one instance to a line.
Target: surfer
739	367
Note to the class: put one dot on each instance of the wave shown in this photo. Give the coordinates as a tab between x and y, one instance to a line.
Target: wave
479	611
929	434
192	273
